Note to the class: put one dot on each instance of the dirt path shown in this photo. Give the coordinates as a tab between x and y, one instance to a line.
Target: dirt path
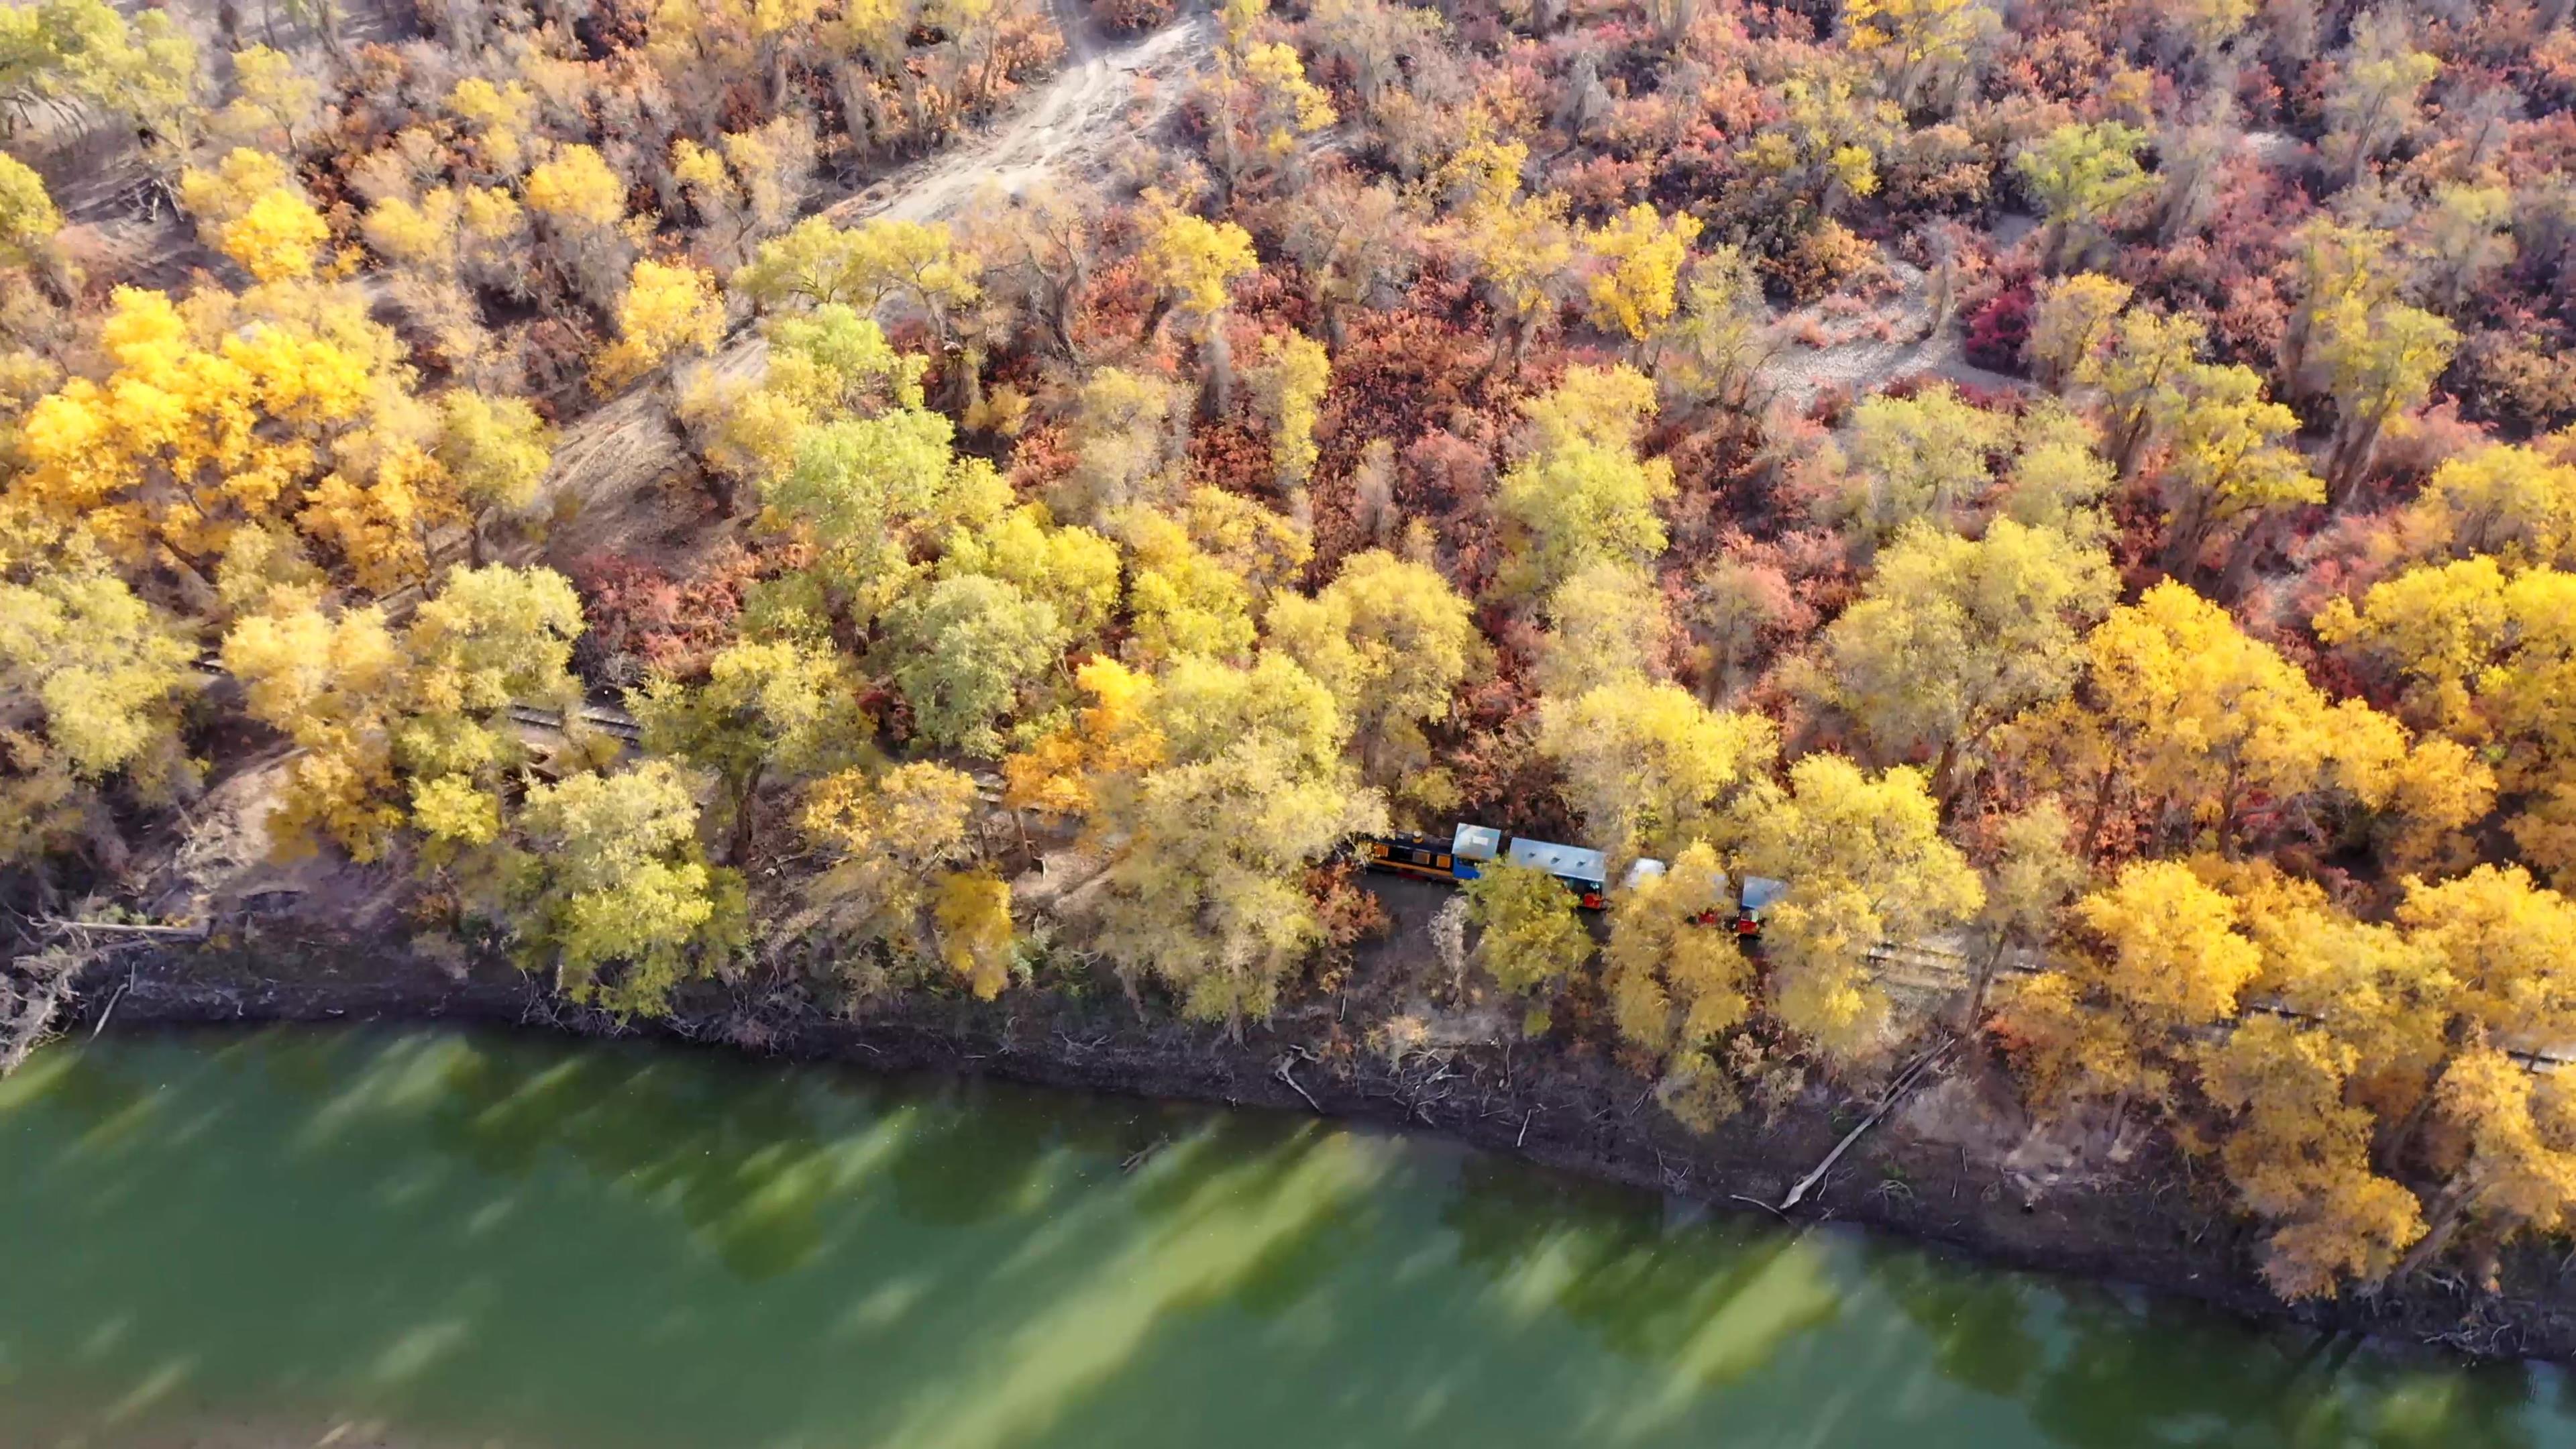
609	459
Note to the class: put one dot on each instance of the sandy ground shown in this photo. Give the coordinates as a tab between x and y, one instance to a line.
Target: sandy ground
1865	350
609	461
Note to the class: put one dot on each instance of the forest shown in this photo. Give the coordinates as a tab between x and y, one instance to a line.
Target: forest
1413	415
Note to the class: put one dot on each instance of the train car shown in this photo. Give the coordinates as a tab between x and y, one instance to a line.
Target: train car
1758	894
1584	871
1424	856
1428	857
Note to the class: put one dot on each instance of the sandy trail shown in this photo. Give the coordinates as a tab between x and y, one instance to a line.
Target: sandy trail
608	459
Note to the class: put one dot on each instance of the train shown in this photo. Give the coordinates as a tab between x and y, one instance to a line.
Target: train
1584	871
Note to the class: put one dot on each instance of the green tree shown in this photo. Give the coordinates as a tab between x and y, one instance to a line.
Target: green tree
92	684
766	709
2378	90
816	264
28	220
2081	174
1606	623
1708	353
1206	887
962	650
1071	569
2380	364
871	492
615	894
1920	457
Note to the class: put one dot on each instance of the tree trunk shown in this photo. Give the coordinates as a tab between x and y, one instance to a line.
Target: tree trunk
2392	1154
743	814
2101	817
2446	1222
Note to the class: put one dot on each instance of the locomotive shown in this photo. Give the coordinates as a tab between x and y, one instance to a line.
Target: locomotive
1584	871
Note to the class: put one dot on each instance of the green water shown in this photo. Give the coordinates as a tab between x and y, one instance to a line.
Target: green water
453	1240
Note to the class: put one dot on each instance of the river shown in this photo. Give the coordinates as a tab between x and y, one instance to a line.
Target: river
434	1240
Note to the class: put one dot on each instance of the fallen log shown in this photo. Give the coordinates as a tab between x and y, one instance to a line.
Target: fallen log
1896	1091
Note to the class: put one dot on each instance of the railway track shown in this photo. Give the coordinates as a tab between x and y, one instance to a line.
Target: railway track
1923	968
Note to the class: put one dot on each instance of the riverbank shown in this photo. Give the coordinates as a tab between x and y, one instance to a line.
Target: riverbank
1936	1170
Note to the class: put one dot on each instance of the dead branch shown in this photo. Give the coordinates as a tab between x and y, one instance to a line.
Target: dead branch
1895	1093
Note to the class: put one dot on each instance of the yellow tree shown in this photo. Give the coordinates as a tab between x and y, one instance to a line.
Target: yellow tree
1579	494
2229	461
1606	624
2505	499
1954	636
2197	718
614	895
1181	599
667	312
2071	322
2161	960
1529	936
64	52
1393	641
1647	765
2488	658
28	220
1194	263
1675	976
1641	256
883	259
1865	863
2298	1154
1917	43
2378	89
887	836
973	911
1290	384
370	709
1210	844
1259	102
287	406
1521	246
1112	738
496	451
92	684
2142	355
